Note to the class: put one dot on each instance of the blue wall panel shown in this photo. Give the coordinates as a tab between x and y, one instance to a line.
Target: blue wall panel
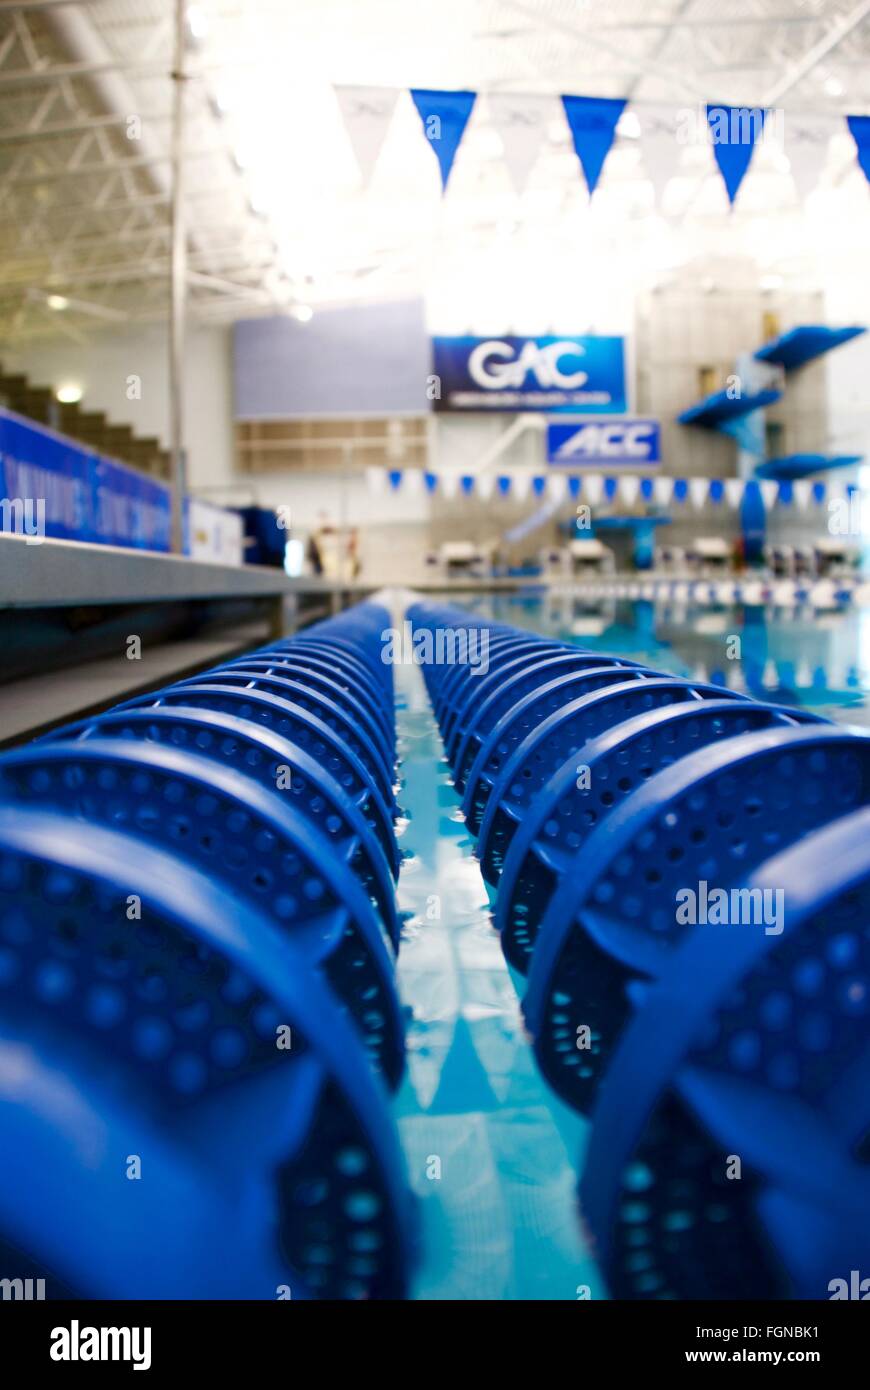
50	485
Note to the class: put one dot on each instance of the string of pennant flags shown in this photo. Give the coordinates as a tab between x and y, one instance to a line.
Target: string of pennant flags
523	122
596	489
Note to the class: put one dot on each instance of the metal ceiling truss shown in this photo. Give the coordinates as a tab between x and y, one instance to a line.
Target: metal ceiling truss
82	205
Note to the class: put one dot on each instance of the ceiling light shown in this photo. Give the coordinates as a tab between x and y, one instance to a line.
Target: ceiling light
771	282
833	87
628	126
69	394
58	302
302	312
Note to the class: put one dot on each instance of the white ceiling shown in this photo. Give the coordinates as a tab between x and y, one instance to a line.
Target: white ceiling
276	211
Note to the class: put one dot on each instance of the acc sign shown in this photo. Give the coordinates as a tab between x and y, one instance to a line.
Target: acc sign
604	441
571	373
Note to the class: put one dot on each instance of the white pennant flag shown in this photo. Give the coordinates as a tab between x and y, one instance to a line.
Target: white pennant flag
629	489
698	490
376	480
769	492
807	140
664	490
593	485
484	484
412	481
367	113
449	484
522	123
734	491
557	487
801	491
659	147
520	484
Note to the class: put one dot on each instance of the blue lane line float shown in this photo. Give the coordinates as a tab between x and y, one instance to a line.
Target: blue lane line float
197	972
708	819
517	720
358	697
337	810
248	839
495	699
765	1060
535	835
340	750
336	713
333	687
320	655
503	662
602	814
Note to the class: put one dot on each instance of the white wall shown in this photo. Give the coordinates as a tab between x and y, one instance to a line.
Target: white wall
849	397
102	365
396	529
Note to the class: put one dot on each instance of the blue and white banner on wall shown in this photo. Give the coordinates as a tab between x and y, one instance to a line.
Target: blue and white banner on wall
51	486
591	442
570	373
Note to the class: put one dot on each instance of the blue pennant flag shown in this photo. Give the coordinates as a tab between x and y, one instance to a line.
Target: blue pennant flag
444	116
717	490
593	125
574	486
753	522
818	493
786	493
431	481
610	488
467	484
395	479
647	490
681	490
859	129
538	485
504	486
735	130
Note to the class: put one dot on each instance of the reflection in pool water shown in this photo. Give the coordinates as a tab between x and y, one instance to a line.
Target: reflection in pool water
493	1155
819	661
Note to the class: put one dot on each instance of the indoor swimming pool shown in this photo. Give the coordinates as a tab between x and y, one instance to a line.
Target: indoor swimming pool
492	1152
814	660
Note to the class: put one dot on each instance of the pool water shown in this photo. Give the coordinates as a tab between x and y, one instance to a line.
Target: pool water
491	1152
493	1155
815	660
